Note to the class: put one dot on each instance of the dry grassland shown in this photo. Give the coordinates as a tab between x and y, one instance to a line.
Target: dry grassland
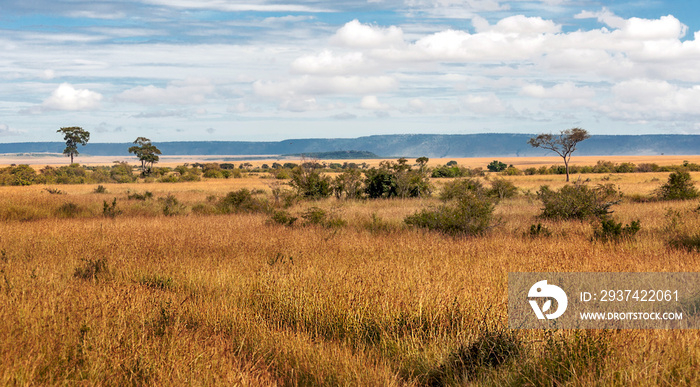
149	299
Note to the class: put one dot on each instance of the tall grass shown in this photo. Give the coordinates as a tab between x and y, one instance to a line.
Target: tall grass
195	298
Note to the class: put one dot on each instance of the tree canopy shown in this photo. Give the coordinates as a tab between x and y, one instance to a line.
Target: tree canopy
564	144
73	136
146	152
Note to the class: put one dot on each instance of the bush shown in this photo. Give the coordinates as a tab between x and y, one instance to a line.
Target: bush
172	206
283	217
458	187
496	166
502	189
348	184
609	230
309	183
679	187
110	211
242	201
138	196
578	201
100	189
470	214
319	216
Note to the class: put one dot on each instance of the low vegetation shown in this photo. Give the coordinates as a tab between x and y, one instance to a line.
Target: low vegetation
391	278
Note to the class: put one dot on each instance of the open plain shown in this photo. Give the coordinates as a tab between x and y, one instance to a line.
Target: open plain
142	295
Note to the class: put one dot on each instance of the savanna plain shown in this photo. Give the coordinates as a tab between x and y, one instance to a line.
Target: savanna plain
124	288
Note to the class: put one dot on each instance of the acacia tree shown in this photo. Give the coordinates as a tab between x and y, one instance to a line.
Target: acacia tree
146	152
73	136
564	144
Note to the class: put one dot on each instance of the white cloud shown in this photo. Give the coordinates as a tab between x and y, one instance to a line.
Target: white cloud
566	90
67	97
647	99
8	131
518	25
358	35
371	102
327	63
190	91
310	86
484	104
666	27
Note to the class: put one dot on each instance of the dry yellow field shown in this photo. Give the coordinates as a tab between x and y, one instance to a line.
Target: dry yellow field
197	299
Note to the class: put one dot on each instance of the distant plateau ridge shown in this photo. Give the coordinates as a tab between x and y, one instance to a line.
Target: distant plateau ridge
398	145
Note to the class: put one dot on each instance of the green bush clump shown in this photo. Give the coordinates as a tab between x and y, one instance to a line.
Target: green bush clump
470	214
503	189
679	186
283	217
172	206
244	201
458	187
320	217
609	230
578	201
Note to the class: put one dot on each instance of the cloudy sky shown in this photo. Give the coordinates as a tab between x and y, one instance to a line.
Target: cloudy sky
177	70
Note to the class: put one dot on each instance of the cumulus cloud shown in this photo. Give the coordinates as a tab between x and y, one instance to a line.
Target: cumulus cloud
517	25
328	63
67	97
371	102
667	27
190	91
358	35
653	99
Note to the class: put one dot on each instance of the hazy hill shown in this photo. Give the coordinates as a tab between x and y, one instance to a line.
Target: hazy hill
414	145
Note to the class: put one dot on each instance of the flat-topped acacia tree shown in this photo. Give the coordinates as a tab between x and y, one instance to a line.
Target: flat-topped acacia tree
73	136
146	152
564	144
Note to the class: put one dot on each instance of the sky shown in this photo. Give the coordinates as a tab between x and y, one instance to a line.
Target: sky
263	70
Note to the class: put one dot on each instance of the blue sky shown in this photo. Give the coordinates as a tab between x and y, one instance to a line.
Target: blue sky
178	70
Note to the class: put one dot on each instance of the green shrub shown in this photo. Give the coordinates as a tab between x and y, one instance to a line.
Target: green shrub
609	230
348	184
458	187
110	211
320	217
578	201
100	189
172	206
54	191
469	214
679	186
496	166
244	201
310	183
139	196
503	189
283	217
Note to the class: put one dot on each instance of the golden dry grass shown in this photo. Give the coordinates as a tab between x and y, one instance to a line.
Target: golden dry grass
235	299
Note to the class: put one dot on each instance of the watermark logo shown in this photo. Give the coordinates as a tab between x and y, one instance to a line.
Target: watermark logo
543	290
